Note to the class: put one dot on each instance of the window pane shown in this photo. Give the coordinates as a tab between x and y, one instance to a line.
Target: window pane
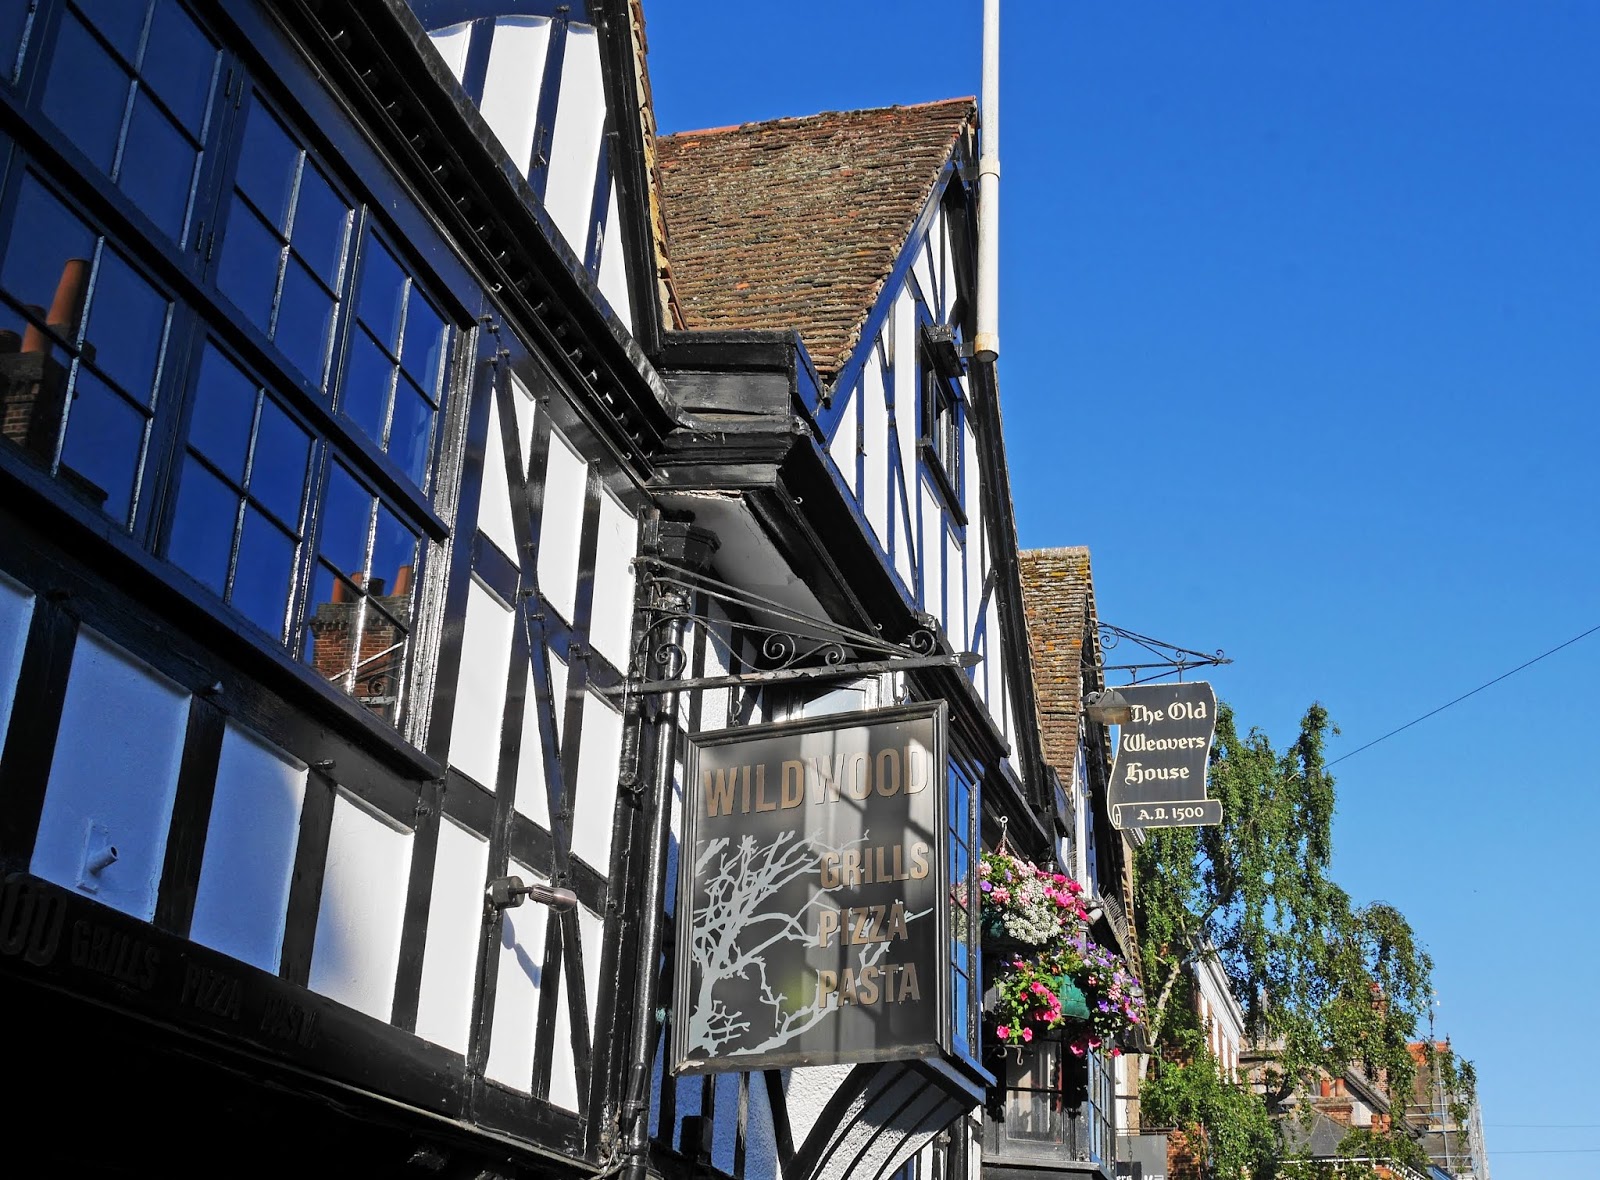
119	21
261	581
378	671
47	259
278	474
424	346
105	443
321	219
251	256
33	386
369	374
202	526
411	431
330	628
86	91
383	290
127	327
157	166
179	63
13	21
224	409
394	553
346	523
305	313
268	160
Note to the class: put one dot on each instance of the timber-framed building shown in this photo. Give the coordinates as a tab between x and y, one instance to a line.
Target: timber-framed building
376	389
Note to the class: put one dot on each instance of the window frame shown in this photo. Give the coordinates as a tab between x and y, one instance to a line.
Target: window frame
202	315
941	414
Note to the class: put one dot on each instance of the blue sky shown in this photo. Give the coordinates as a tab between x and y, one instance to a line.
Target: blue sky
1301	335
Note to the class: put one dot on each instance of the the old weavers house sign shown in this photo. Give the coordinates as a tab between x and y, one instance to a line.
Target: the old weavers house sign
1159	777
812	893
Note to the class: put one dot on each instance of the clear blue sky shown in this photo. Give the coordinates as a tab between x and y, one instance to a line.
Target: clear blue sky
1301	335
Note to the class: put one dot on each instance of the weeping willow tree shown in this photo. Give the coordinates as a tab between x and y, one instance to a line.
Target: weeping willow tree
1325	984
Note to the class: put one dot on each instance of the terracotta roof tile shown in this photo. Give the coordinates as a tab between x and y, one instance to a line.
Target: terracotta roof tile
1058	600
796	223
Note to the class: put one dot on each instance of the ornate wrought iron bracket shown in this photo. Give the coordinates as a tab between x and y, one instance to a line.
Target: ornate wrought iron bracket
1169	656
783	644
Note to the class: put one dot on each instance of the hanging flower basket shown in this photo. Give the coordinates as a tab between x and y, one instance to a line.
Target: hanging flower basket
1024	905
1048	978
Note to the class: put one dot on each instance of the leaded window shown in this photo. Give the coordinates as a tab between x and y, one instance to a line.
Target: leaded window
271	431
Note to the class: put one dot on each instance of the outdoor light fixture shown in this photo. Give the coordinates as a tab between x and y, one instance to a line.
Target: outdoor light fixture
1108	707
508	892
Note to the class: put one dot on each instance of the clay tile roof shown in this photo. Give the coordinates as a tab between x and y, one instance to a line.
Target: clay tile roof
1058	600
796	223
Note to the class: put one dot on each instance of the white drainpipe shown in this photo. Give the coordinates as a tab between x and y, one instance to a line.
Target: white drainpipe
987	345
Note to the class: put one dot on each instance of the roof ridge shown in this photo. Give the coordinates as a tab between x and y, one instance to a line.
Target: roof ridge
966	100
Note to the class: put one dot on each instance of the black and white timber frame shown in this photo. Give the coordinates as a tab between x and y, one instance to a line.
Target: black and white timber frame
142	711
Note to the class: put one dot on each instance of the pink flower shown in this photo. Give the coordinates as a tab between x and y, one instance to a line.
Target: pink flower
1116	1052
1002	1032
1059	878
1077	1050
1037	987
1074	887
1027	1034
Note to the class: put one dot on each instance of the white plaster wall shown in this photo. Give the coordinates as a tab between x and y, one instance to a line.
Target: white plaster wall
452	44
614	264
563	1066
611	623
596	791
113	777
527	412
518	982
16	613
561	525
575	144
494	505
843	446
481	686
591	928
251	837
875	450
922	273
931	551
511	84
450	953
357	947
533	794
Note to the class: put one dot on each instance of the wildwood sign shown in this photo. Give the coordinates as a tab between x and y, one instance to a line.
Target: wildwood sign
1159	778
812	893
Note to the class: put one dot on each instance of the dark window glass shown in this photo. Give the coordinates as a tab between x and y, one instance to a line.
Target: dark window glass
237	523
357	623
396	363
80	352
13	27
287	235
131	85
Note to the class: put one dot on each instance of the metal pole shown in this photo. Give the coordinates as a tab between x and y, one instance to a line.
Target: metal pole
986	346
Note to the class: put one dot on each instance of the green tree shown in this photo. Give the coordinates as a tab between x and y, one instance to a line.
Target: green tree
1324	983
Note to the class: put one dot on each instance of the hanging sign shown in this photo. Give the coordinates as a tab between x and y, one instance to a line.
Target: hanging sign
1159	777
813	893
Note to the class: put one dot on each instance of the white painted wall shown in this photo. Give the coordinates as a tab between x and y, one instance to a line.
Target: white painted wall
452	44
561	524
614	264
518	981
511	83
113	777
251	838
533	795
494	505
486	637
596	792
575	144
357	947
450	953
611	622
16	613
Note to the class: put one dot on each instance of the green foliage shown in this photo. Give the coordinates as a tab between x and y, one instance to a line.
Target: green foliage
1327	984
1188	1091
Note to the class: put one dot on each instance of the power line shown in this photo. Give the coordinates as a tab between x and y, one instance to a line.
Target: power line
1465	695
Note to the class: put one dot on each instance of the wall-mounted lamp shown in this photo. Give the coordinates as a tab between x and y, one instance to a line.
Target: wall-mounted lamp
1108	707
508	892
